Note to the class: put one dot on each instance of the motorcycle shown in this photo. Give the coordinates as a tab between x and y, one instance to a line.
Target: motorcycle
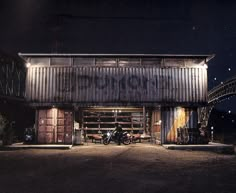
29	135
113	136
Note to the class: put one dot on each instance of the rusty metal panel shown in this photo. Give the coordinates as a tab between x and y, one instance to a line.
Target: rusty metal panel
116	85
55	126
176	117
69	122
60	119
45	126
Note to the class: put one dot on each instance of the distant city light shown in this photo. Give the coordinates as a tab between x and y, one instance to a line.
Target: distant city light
215	78
233	121
221	83
229	111
229	69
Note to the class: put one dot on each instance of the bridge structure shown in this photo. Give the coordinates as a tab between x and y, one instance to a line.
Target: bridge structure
218	94
12	78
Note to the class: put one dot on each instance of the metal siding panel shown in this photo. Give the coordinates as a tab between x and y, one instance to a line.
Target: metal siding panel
29	84
36	85
197	83
191	85
76	96
163	84
174	118
180	84
176	79
39	89
194	85
168	91
53	86
170	85
184	85
44	91
187	85
34	79
155	92
41	75
56	84
114	87
205	85
176	84
200	86
148	85
205	88
47	82
173	85
50	86
64	84
58	88
87	93
173	82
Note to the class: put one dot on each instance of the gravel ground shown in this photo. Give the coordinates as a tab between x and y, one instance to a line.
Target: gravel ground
116	169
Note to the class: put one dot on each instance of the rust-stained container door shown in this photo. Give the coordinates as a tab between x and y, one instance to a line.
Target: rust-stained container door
64	126
60	127
68	126
45	126
55	126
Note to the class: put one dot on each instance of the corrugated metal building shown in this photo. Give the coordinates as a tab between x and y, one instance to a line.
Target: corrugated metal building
152	94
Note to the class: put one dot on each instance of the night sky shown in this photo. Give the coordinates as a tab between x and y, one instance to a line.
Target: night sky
149	27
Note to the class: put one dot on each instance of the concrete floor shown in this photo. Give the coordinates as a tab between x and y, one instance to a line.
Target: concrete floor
136	168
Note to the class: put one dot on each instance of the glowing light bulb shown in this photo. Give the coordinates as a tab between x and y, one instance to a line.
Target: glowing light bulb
28	64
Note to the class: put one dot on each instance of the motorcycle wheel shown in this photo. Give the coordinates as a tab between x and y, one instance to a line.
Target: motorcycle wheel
126	141
106	141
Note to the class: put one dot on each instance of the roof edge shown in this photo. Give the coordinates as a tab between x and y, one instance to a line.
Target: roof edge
209	56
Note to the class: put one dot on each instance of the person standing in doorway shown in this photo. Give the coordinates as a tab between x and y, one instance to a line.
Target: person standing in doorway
118	130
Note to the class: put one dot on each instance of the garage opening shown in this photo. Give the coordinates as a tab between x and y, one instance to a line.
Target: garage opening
97	121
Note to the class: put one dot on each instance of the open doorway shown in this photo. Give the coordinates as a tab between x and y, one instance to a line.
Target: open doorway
97	121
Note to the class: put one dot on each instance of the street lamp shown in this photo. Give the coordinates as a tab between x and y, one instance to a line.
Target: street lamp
212	133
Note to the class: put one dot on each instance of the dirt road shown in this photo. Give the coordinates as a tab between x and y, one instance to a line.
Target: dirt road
116	169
